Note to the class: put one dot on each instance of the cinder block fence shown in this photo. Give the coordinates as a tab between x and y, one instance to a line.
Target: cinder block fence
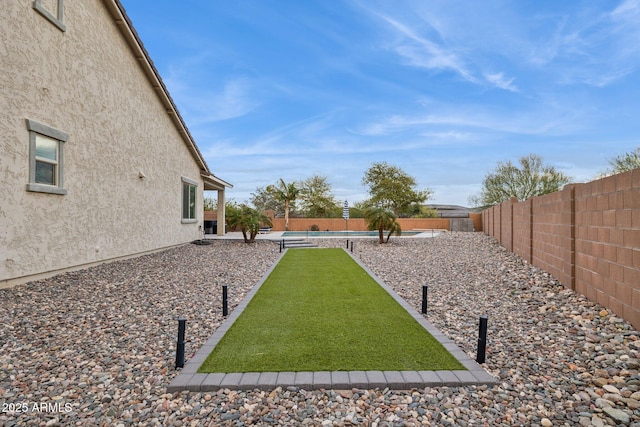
587	236
358	224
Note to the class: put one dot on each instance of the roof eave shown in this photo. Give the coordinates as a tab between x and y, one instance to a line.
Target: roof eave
212	182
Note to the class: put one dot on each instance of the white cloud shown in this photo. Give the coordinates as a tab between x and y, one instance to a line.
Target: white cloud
424	53
627	15
592	48
431	44
501	82
446	137
234	99
203	100
474	121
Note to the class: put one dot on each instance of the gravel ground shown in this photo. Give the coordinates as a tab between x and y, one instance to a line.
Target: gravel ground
97	347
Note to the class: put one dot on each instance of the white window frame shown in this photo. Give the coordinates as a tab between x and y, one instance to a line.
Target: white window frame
189	217
56	19
60	138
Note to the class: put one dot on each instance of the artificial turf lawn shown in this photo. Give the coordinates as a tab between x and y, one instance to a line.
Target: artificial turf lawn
320	311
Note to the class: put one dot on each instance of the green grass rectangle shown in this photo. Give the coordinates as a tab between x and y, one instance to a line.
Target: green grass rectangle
320	311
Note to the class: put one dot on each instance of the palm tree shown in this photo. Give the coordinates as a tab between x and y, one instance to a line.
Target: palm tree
381	219
286	193
248	220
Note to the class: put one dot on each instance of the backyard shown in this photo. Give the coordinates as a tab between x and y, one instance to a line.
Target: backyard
97	347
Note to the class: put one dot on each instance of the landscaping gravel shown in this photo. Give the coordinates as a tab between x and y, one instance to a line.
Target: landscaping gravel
97	346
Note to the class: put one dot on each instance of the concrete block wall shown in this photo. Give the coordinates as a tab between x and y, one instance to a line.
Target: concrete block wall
357	224
608	243
552	234
587	236
477	221
506	223
523	229
488	220
496	222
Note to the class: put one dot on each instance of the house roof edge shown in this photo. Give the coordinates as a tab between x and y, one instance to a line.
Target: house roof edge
125	25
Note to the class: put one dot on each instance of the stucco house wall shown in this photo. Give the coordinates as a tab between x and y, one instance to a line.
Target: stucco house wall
125	159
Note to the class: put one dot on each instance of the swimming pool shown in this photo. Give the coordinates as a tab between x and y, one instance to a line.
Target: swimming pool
346	233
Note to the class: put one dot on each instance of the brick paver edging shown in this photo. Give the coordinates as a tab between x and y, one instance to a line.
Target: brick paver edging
189	378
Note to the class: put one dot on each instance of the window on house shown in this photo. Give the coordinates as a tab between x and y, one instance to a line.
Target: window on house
53	10
189	200
47	166
46	149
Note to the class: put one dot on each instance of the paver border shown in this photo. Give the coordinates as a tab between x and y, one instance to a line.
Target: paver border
189	379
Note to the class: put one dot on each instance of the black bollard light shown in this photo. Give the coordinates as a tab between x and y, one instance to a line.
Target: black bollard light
352	246
425	289
182	325
225	306
347	243
283	246
280	246
482	340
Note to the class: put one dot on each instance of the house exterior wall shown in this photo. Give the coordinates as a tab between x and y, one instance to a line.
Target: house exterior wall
85	82
587	236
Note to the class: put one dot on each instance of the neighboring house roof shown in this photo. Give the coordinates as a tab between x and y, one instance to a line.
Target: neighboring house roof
211	182
451	211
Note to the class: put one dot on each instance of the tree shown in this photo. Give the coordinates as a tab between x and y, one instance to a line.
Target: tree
262	200
624	163
210	204
532	178
317	200
248	220
287	193
392	188
422	211
358	209
380	218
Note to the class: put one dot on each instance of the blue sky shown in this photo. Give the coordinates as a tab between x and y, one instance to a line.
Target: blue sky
443	89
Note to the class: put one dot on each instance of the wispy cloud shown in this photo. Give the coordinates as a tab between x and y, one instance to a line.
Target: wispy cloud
204	100
625	27
500	81
421	44
235	98
465	120
595	49
448	136
421	52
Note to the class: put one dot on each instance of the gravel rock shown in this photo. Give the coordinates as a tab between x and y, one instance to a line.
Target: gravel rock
97	346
